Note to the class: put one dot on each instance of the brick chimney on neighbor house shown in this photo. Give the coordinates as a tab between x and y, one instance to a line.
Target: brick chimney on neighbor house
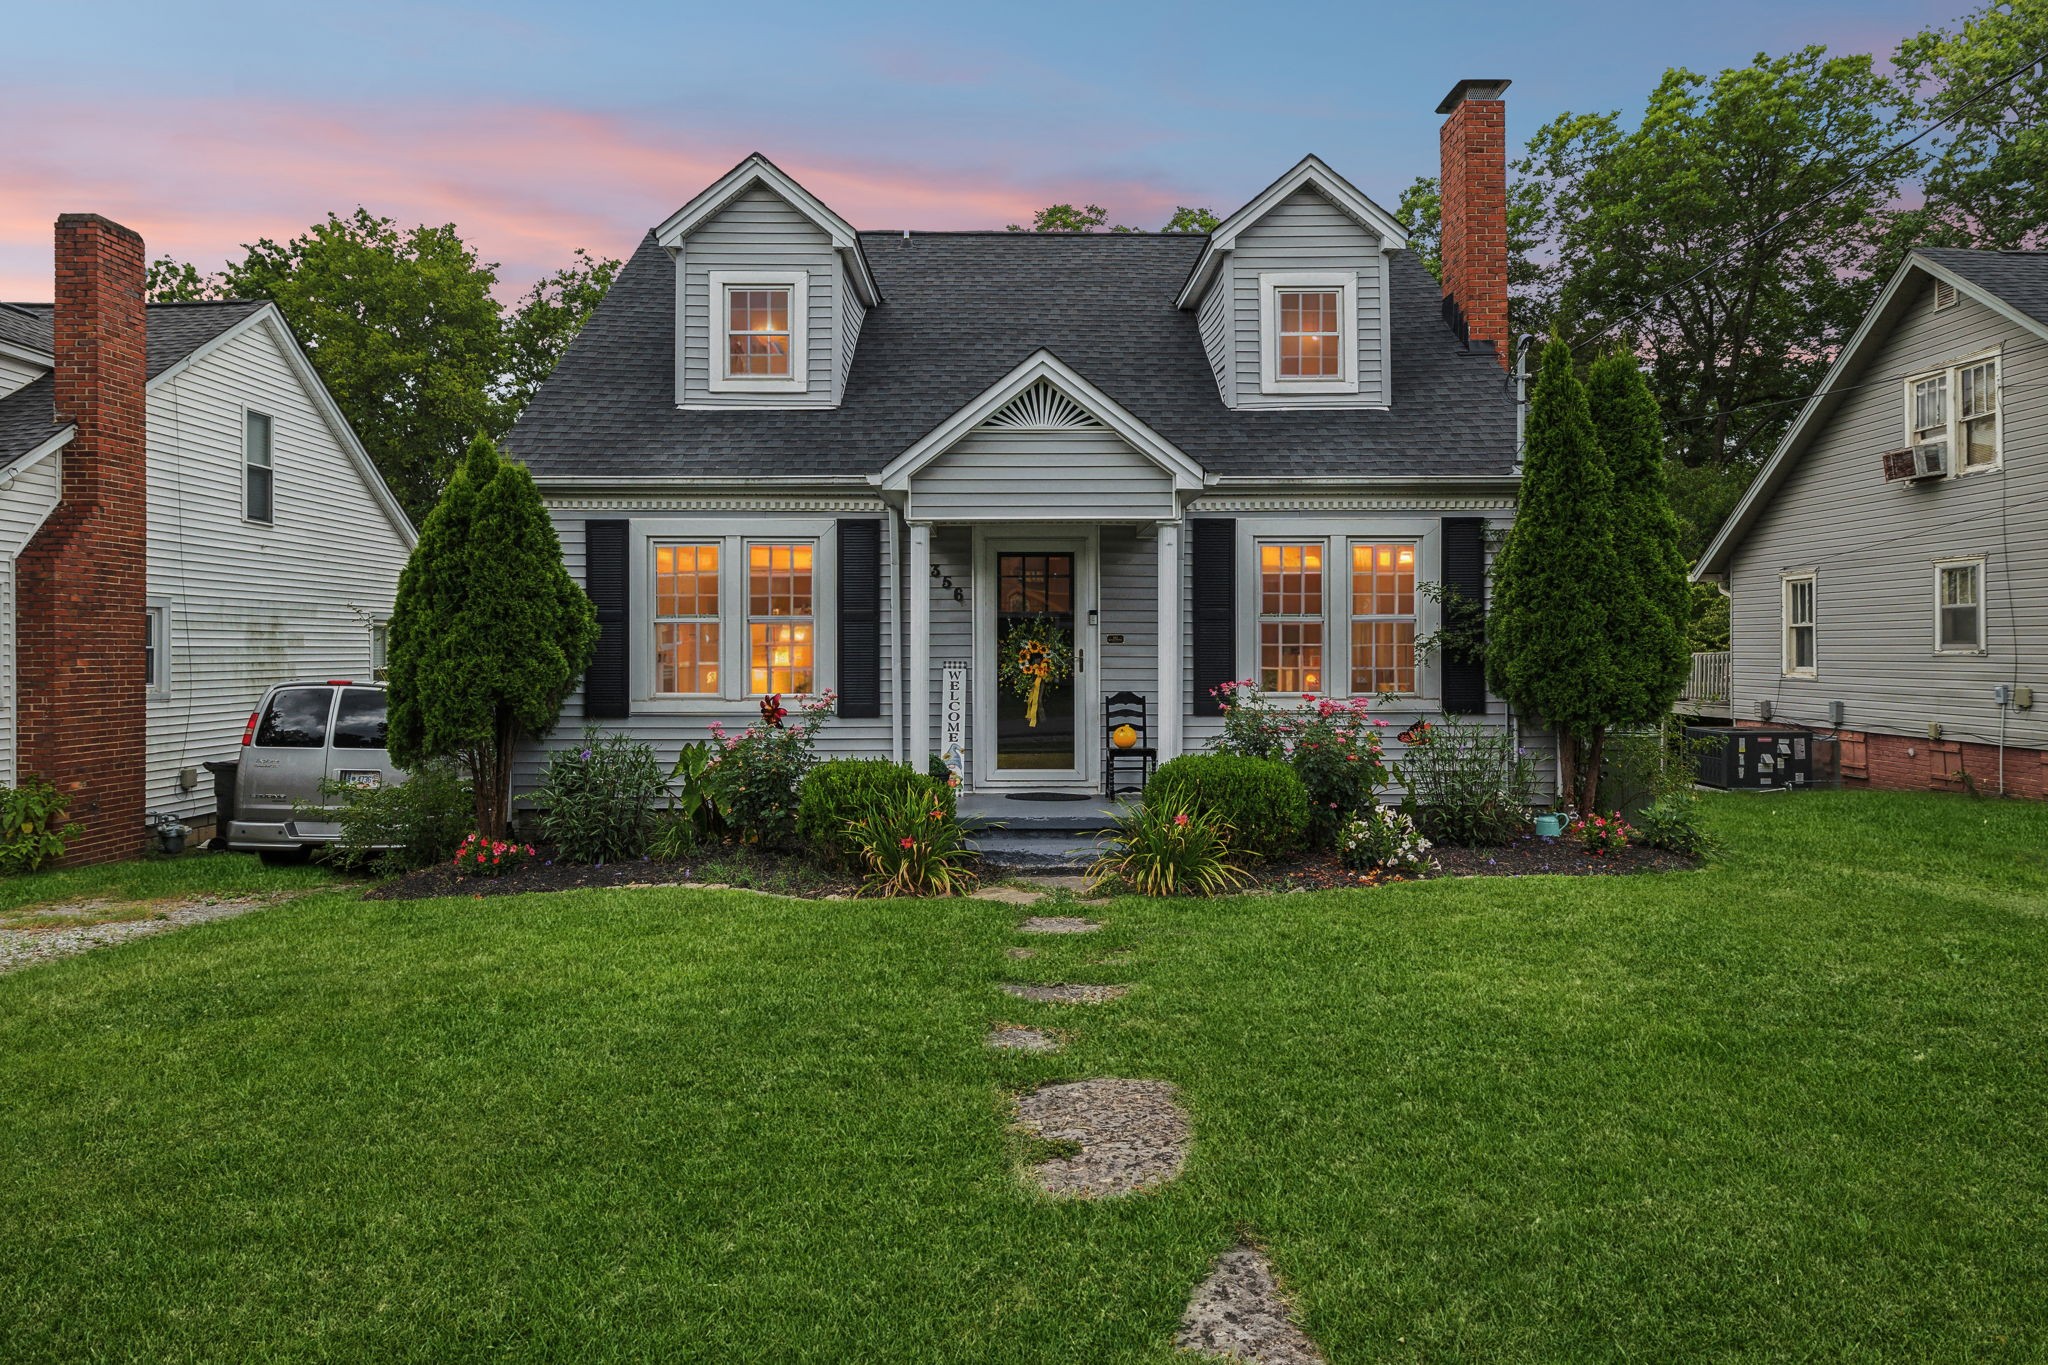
1474	191
82	584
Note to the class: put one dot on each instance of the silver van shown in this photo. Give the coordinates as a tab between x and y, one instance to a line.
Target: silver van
300	735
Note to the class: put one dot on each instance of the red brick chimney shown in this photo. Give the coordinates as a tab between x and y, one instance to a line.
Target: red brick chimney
1475	213
81	610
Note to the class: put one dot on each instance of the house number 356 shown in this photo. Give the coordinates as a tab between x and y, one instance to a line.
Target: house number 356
946	581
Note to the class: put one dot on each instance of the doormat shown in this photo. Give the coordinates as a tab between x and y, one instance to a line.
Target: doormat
1051	796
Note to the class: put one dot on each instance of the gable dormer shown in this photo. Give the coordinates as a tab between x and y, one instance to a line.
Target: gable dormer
1292	296
771	289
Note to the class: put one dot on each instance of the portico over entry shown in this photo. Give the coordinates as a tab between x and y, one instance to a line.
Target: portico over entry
1043	519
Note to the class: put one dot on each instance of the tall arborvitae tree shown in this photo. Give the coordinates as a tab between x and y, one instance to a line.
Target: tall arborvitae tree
1547	643
489	634
1651	608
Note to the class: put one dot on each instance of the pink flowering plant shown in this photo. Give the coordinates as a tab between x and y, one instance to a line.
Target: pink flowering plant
911	845
1600	835
1334	746
482	857
752	777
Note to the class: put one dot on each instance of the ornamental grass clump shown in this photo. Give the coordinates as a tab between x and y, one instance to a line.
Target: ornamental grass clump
1160	852
1260	802
912	845
835	796
1382	837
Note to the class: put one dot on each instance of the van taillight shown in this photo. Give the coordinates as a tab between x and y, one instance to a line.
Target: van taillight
249	730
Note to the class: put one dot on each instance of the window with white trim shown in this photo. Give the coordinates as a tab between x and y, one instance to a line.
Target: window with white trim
1382	618
1308	325
781	618
380	650
733	616
1798	619
258	471
758	321
1959	606
1291	616
686	609
156	650
1956	408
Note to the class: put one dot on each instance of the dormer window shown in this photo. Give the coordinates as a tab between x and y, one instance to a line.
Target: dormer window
761	319
1309	331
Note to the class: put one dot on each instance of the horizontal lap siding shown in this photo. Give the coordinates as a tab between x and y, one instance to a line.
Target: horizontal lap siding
1306	232
1217	315
1048	476
1130	598
251	605
668	732
16	373
759	231
1872	546
851	315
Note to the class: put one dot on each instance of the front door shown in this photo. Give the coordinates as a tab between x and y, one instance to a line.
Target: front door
1036	639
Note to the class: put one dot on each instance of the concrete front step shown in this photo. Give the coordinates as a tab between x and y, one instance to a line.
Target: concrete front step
1037	850
1005	814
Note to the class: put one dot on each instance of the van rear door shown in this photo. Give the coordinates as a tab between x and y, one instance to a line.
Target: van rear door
356	754
287	758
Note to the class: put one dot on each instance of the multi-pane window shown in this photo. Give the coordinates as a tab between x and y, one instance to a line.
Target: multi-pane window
1930	409
781	625
1798	618
1382	619
380	650
1959	605
1977	415
757	335
257	471
1310	335
1291	616
156	642
686	619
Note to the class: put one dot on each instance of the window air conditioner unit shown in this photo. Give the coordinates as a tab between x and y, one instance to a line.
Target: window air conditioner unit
1930	460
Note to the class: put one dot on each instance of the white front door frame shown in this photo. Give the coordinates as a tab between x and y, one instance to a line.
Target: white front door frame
1083	543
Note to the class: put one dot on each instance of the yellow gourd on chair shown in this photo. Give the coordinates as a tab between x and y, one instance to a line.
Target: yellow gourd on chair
1123	736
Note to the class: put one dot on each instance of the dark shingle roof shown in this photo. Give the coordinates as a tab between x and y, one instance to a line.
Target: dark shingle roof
2018	277
960	311
27	418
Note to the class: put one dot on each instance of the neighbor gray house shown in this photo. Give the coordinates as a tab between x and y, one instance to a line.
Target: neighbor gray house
1885	570
788	456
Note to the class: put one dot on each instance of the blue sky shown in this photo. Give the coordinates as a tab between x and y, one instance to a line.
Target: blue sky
538	128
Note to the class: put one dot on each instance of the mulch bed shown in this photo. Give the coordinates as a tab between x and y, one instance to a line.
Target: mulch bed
742	868
1528	856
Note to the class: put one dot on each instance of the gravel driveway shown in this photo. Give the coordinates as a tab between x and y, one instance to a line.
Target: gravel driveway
25	947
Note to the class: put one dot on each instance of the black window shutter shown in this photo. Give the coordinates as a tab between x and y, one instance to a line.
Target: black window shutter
1212	562
860	618
1464	573
607	684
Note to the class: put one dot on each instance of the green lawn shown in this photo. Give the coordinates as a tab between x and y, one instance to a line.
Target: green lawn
1791	1107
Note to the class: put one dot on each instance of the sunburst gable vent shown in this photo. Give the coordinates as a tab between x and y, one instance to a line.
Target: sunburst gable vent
1042	408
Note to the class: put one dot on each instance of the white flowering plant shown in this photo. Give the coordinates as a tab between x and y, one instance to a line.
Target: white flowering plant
1382	837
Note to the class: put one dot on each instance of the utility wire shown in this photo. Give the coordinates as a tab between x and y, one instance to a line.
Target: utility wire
1856	174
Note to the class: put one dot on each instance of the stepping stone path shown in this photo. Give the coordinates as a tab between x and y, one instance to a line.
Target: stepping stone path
1019	1039
1238	1313
1058	924
1066	994
1133	1135
1008	895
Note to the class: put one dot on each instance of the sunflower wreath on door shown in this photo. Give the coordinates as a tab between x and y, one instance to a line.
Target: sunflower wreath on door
1034	652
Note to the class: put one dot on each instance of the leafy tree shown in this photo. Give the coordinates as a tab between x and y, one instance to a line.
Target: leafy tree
1650	608
170	280
402	328
1548	647
1530	281
1705	180
1186	219
1987	183
489	633
1067	218
544	322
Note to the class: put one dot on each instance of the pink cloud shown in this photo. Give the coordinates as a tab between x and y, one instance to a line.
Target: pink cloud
526	184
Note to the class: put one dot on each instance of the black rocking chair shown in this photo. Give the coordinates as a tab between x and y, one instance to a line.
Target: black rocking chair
1126	708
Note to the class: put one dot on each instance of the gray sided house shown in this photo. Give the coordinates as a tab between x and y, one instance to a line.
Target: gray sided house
1886	573
786	456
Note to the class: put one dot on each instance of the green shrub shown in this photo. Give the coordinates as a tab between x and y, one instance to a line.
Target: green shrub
1158	851
1333	745
597	802
1382	837
1259	803
1672	823
412	824
835	795
1467	784
912	845
34	826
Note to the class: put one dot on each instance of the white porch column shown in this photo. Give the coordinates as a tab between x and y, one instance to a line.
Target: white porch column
917	688
1170	703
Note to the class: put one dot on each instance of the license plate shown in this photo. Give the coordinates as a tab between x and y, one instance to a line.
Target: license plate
364	780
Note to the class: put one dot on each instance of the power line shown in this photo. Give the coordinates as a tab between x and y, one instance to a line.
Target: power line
1851	178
